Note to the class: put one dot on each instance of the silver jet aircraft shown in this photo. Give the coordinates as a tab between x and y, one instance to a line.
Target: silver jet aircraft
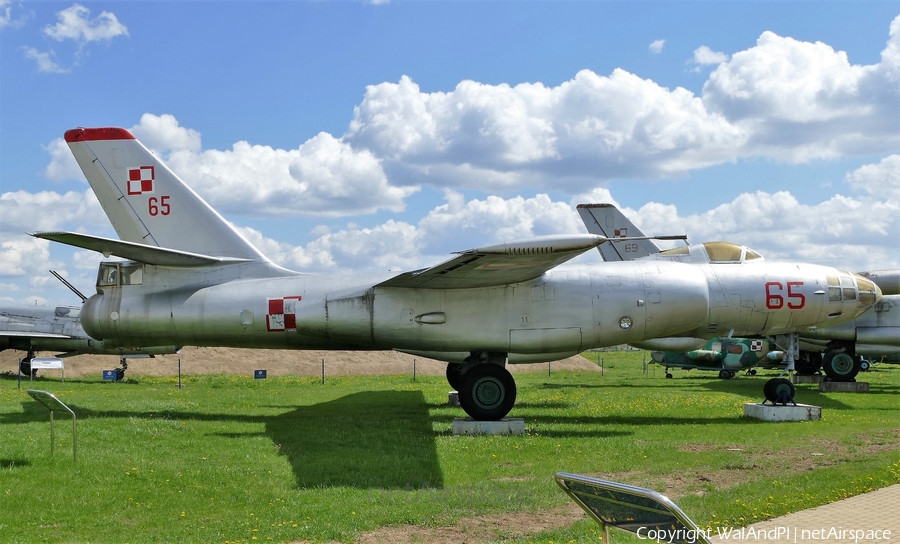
192	279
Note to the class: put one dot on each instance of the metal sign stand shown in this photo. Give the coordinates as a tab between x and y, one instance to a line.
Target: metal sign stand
51	403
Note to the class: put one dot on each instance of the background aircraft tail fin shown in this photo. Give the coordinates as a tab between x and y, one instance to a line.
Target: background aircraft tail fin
146	202
606	220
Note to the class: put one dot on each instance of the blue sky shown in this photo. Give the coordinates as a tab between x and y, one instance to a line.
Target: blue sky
351	136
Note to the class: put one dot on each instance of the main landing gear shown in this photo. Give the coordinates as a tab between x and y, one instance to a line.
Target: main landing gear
487	391
841	364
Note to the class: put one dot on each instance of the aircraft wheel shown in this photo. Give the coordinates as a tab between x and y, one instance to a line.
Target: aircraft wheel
752	372
454	375
487	392
669	375
778	387
864	366
725	375
809	365
25	368
841	366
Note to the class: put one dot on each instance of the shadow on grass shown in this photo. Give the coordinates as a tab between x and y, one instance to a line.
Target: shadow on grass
14	463
376	439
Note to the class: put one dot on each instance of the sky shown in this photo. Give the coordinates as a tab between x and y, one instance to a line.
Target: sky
369	136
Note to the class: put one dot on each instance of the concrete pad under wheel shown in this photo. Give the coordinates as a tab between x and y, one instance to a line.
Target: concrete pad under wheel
777	412
844	387
507	425
807	378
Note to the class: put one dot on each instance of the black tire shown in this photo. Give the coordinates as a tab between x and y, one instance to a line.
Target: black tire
776	388
725	375
487	392
809	365
25	368
454	375
840	365
669	375
864	366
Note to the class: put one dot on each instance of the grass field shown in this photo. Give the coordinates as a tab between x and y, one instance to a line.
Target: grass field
233	459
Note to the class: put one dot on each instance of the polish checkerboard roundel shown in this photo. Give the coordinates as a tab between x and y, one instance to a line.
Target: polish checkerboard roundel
140	180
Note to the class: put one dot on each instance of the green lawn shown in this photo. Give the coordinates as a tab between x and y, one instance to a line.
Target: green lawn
233	459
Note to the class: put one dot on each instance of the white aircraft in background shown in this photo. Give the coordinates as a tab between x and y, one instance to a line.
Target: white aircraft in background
192	279
836	348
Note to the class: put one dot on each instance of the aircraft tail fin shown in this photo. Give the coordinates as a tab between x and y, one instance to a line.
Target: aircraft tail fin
606	220
146	202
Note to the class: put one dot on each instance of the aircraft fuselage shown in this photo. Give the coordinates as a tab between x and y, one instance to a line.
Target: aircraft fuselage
566	310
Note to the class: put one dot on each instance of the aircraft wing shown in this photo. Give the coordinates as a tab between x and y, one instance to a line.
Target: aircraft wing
33	334
501	264
136	252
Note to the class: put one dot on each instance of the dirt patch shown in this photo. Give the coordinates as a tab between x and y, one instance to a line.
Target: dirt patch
481	528
276	363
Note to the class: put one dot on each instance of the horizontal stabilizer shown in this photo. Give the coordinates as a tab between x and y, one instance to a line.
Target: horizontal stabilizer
626	241
501	264
157	256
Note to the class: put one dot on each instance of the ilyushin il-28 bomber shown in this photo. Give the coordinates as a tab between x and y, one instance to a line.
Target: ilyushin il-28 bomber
191	279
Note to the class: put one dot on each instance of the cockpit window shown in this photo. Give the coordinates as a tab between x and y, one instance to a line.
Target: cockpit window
834	288
108	275
115	274
848	287
750	255
866	291
723	252
132	274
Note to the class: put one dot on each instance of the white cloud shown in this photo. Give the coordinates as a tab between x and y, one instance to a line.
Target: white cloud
322	177
781	99
456	225
63	165
880	180
7	19
74	24
704	56
162	134
656	46
5	13
849	233
499	137
890	56
56	210
44	60
22	254
800	101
